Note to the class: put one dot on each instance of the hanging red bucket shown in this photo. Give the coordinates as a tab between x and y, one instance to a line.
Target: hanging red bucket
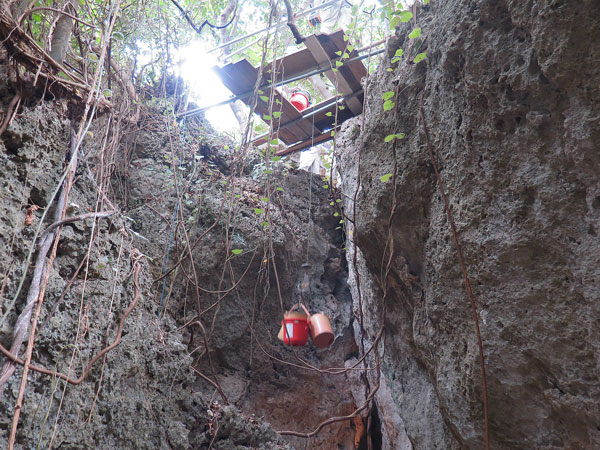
296	327
300	99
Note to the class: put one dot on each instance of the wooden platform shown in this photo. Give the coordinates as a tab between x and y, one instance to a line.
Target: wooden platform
295	127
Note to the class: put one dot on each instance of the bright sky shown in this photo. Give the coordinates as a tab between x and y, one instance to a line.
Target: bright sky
206	87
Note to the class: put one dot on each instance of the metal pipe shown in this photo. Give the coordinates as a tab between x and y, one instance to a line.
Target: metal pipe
277	25
280	83
241	49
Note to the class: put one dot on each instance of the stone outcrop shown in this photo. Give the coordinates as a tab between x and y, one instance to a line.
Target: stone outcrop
145	394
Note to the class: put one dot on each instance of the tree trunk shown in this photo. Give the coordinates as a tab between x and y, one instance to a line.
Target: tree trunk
62	34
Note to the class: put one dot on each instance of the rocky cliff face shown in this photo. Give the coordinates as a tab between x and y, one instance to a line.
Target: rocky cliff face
510	97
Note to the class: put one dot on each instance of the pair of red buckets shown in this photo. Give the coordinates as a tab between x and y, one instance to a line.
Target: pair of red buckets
297	325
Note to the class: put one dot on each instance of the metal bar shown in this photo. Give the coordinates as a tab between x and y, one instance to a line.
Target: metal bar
241	49
319	139
277	25
280	83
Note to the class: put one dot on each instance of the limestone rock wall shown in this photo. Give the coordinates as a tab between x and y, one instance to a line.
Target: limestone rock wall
511	101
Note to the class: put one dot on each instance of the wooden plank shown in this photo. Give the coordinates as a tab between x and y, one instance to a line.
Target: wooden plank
337	78
357	68
318	117
291	65
245	75
240	77
321	138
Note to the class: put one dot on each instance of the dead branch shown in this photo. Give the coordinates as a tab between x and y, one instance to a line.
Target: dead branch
59	223
291	23
198	29
10	112
22	323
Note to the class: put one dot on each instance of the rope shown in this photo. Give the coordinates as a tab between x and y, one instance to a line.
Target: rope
170	243
310	183
464	271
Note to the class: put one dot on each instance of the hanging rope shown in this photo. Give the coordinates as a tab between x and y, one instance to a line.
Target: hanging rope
466	277
170	243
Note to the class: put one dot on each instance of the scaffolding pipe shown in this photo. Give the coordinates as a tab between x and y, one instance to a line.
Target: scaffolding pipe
301	76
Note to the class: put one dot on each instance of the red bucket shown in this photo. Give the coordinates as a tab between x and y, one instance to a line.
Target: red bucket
300	100
295	332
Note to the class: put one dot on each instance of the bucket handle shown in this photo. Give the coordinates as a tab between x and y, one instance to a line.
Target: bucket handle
303	307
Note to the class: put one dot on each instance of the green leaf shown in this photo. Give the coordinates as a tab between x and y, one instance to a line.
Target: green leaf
331	203
332	133
325	186
238	196
267	117
258	211
336	214
345	55
391	137
274	141
420	57
265	224
350	48
278	101
339	200
394	22
236	251
385	178
405	16
425	2
265	199
388	69
280	189
329	114
260	92
339	64
339	53
388	105
399	53
264	98
335	70
275	158
415	33
268	172
387	95
277	114
346	37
